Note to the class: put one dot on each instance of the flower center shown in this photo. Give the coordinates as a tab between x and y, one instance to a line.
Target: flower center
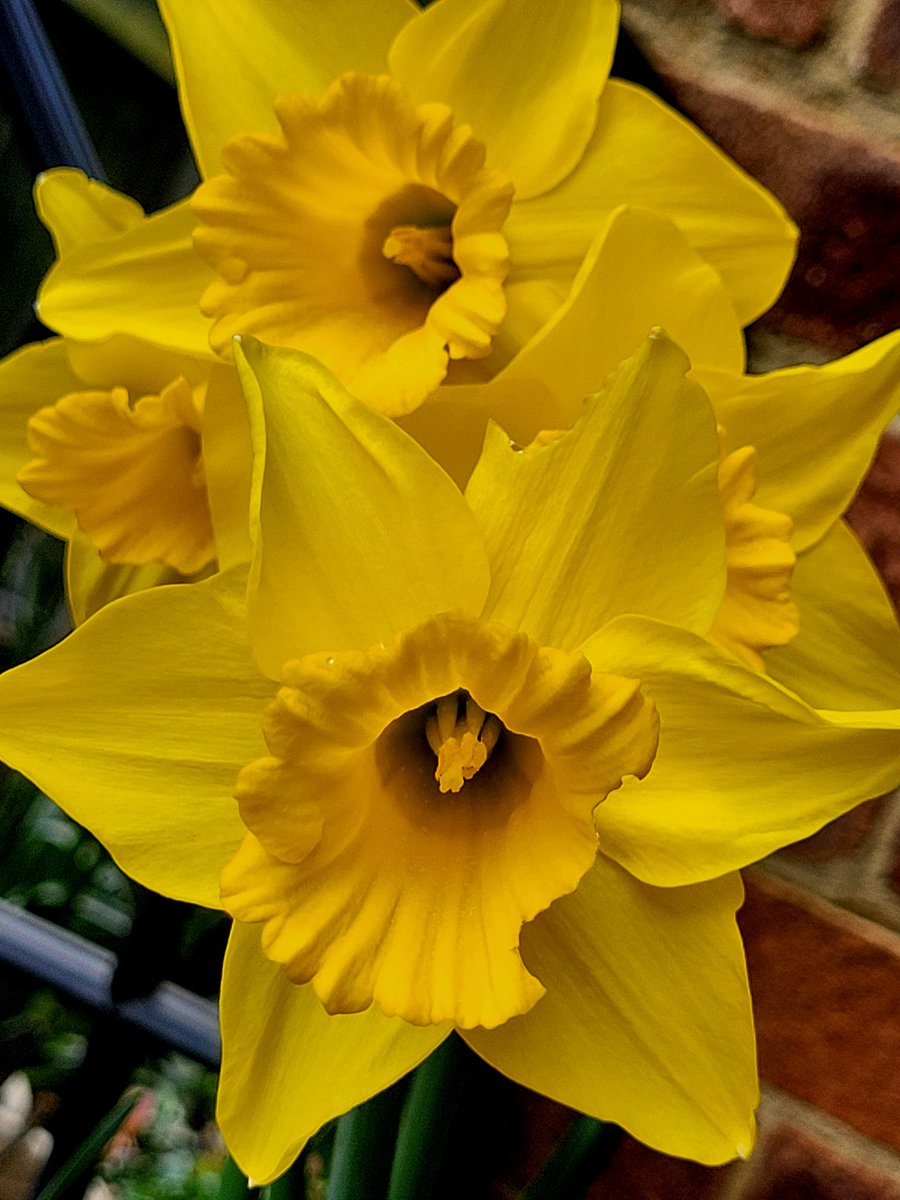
462	736
378	877
427	252
130	470
367	234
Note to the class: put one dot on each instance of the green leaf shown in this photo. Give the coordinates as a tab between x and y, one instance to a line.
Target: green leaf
363	1147
69	1180
427	1121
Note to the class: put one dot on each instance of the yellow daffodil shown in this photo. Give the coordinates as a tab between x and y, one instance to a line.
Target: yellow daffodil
399	191
105	444
796	444
425	711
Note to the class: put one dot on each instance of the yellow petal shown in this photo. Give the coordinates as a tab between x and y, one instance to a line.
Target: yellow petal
642	153
288	1067
360	533
647	1018
378	875
614	517
816	430
79	211
146	281
847	653
133	363
28	380
233	60
526	77
136	725
639	273
743	766
92	583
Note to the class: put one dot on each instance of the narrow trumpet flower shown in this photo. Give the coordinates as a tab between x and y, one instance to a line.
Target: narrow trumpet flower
444	720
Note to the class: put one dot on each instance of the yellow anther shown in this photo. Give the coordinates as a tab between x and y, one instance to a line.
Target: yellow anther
427	251
462	742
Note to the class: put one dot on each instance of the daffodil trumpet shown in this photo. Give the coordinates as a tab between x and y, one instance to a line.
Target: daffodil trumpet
390	880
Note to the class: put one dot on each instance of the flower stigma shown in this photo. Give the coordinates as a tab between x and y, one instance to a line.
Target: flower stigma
419	803
368	234
462	736
428	252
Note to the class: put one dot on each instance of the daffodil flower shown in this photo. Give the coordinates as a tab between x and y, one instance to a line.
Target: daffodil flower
106	444
796	444
402	193
426	709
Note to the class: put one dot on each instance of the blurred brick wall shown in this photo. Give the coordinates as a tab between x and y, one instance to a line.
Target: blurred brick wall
805	94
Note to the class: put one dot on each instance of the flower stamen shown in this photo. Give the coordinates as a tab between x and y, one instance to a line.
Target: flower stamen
462	741
427	252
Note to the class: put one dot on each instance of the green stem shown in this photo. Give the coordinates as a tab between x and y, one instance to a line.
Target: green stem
584	1152
233	1183
289	1186
427	1120
363	1145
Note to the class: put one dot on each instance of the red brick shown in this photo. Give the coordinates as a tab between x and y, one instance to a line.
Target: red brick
843	192
826	991
839	838
791	22
881	65
875	513
894	876
795	1166
639	1173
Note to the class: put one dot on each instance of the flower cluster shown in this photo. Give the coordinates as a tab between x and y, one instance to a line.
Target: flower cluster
505	629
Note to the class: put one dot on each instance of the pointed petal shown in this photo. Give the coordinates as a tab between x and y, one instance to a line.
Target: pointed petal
640	273
847	653
359	533
92	583
233	60
146	281
526	77
32	377
643	153
743	766
137	725
816	430
646	1021
288	1067
79	211
612	517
